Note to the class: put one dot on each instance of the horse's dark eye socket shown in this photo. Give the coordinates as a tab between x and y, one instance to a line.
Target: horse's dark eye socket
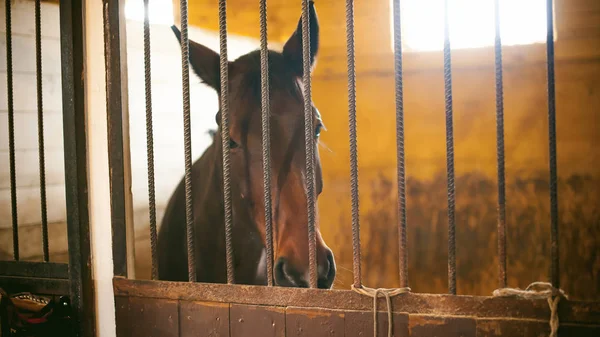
232	144
318	130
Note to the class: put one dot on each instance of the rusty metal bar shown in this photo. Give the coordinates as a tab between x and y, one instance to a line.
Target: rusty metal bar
500	152
187	139
11	131
116	160
150	142
403	251
554	266
309	144
353	146
266	137
224	72
75	154
40	116
449	153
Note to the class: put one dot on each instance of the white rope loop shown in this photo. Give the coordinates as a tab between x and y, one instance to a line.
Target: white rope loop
388	293
538	291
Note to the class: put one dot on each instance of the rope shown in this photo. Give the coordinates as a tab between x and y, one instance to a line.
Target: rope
537	291
388	293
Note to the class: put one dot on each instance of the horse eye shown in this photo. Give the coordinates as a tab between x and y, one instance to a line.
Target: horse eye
318	130
232	144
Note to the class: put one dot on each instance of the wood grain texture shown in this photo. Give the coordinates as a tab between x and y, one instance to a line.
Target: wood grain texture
251	320
203	319
437	326
122	316
314	322
360	324
153	317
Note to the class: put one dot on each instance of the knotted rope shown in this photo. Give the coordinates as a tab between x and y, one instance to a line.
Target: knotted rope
388	293
536	291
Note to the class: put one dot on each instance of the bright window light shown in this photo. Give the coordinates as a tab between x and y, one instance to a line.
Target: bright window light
161	11
471	23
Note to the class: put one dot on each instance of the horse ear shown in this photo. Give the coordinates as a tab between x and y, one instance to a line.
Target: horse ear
292	50
204	62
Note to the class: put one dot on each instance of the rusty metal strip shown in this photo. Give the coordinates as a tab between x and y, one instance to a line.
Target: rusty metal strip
224	79
266	138
500	152
403	250
40	119
449	153
187	140
353	143
554	265
433	304
11	131
150	142
309	144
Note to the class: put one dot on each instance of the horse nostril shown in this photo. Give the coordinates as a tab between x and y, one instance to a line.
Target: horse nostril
286	276
327	273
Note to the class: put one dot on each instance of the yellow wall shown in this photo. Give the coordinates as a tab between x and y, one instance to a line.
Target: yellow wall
578	105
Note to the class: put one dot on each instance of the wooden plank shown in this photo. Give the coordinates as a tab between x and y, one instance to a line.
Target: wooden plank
567	330
253	320
122	320
413	303
360	324
502	327
314	322
153	317
438	326
203	319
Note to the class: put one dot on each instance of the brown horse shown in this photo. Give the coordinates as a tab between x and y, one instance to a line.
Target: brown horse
288	175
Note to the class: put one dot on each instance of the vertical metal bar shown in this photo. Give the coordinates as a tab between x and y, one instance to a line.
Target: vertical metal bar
353	142
449	153
403	252
11	132
116	160
40	116
266	137
187	138
224	71
75	152
554	268
150	141
500	152
309	144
